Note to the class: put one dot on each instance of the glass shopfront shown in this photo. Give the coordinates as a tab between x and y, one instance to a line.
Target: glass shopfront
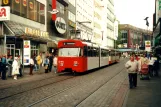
30	9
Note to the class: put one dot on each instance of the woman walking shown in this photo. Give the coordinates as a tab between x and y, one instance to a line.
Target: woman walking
15	68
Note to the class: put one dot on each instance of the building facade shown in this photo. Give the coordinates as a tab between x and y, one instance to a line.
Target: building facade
23	28
108	19
132	37
84	19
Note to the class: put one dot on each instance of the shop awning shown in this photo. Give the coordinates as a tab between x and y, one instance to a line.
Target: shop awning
125	50
18	30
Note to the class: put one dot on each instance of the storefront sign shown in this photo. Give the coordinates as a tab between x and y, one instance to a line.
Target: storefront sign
60	25
4	13
147	46
27	50
5	2
37	33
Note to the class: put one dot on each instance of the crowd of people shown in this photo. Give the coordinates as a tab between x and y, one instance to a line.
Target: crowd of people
12	67
146	65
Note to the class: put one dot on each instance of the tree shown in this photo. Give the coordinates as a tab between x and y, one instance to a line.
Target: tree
119	41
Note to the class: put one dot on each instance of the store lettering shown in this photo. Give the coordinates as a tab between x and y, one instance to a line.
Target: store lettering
35	32
61	25
3	12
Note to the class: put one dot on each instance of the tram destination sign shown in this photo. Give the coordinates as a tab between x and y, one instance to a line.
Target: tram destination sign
69	43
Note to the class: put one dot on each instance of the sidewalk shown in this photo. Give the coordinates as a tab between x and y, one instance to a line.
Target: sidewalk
37	75
147	93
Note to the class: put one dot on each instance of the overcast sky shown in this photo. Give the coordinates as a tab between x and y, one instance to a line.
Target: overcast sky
134	11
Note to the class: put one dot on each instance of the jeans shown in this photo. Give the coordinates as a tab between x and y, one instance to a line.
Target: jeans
35	67
132	79
55	69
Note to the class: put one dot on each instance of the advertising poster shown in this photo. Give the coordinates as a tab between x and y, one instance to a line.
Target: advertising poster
147	46
4	13
26	52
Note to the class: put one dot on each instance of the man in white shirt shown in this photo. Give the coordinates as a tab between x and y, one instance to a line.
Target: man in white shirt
132	68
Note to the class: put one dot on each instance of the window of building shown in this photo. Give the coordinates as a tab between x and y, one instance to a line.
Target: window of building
16	7
41	13
23	12
71	16
30	9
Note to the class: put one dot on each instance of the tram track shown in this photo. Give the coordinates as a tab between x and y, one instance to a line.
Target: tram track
71	87
50	83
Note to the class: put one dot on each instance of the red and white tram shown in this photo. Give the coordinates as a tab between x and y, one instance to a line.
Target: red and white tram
80	56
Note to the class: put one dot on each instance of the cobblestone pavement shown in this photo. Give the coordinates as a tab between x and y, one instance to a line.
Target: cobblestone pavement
97	89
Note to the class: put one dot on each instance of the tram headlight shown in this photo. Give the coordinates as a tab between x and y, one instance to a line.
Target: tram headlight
75	63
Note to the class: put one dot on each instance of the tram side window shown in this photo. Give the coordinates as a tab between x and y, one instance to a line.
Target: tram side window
104	53
85	52
95	52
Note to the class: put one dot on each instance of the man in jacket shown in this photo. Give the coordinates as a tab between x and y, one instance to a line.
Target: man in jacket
132	68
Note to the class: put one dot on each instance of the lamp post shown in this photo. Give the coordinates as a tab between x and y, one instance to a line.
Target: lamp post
81	23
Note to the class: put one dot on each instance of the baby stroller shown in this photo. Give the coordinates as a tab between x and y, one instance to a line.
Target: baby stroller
144	73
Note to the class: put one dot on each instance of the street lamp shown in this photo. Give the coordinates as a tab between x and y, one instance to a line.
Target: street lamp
81	23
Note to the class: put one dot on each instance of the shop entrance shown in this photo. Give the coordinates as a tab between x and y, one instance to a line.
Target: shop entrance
34	51
17	52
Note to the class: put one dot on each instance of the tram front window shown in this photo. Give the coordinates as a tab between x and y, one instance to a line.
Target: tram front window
69	52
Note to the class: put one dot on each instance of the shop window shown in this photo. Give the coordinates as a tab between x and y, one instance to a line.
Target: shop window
16	7
23	12
42	13
31	4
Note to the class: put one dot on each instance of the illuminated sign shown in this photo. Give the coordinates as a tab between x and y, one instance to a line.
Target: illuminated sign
35	32
147	46
27	51
4	13
5	2
60	25
24	3
31	5
17	1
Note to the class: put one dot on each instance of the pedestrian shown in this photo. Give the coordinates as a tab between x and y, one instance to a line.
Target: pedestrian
10	61
35	63
55	63
39	61
0	65
31	65
46	64
132	68
50	62
15	68
20	66
4	67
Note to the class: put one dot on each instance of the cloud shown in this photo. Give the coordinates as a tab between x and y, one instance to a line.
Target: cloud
134	11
